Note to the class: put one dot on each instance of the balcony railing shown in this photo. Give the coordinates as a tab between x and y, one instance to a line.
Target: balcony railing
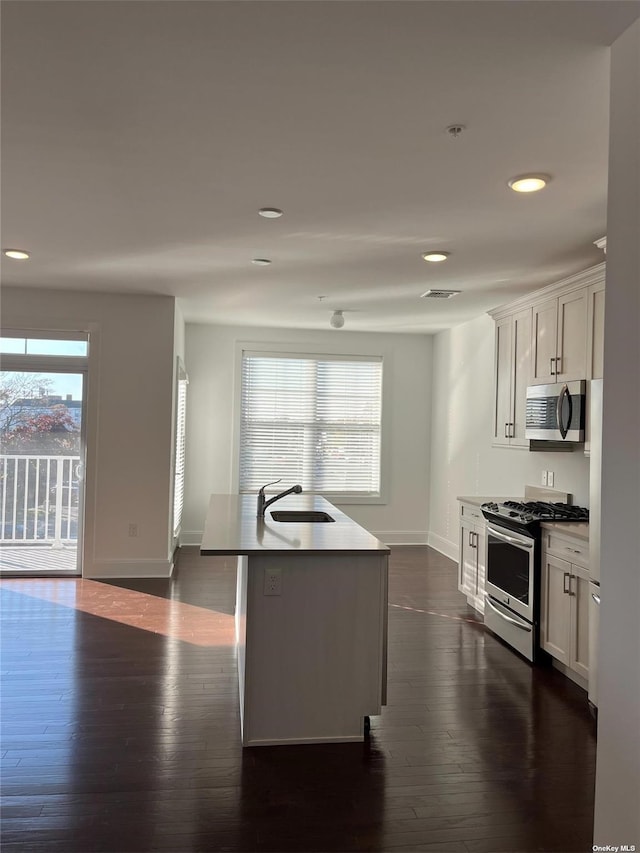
39	498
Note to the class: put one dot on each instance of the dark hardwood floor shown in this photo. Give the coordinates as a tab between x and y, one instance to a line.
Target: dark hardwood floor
121	729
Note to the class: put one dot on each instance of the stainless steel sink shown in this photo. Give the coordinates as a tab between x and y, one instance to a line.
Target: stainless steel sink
300	515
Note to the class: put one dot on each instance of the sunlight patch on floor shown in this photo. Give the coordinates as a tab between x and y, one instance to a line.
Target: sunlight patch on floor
185	622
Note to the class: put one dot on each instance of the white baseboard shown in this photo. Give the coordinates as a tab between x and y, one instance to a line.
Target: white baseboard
129	569
191	537
444	546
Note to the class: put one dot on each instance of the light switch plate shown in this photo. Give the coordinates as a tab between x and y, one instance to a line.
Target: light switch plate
543	479
550	478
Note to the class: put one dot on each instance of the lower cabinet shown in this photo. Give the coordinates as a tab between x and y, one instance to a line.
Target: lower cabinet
564	622
473	551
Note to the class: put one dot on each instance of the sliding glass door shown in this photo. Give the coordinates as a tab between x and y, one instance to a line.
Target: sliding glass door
41	469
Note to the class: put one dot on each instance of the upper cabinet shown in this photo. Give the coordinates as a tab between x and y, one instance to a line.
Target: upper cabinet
595	330
553	335
513	367
559	340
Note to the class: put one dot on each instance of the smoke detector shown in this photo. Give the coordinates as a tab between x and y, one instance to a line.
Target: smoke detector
439	294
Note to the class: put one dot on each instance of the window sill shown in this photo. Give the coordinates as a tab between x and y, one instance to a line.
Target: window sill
338	498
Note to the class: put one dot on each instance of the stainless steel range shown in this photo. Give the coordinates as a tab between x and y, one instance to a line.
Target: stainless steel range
512	590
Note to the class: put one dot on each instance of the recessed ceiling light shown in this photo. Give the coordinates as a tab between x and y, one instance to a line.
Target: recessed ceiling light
529	183
261	262
17	254
435	257
270	212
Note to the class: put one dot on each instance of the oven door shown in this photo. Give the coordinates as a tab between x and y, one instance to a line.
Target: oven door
511	570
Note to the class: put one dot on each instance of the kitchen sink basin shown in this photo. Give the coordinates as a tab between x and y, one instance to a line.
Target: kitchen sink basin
300	515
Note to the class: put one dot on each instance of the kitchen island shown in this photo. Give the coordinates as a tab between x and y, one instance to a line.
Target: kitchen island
311	619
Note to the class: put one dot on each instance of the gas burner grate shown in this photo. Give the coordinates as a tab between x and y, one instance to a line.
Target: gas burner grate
547	511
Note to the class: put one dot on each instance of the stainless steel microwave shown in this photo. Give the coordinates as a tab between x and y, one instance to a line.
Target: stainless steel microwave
556	412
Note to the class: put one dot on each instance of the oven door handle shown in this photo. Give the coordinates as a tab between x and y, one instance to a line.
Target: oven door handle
524	626
512	540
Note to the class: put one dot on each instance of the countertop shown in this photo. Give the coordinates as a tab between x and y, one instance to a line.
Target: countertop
231	527
478	500
579	529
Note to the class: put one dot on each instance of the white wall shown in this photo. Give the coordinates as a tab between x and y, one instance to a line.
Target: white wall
617	810
129	419
210	358
463	462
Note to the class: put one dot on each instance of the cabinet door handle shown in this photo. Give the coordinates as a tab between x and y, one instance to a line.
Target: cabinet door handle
573	550
512	430
475	540
571	578
551	370
558	371
566	577
470	539
506	430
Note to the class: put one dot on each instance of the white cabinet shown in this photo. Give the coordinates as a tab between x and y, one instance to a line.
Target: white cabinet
564	612
595	330
473	550
553	335
559	338
513	364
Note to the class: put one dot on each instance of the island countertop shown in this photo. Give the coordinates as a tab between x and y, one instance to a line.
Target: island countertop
233	528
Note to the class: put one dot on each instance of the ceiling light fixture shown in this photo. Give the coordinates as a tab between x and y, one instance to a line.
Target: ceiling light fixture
270	212
337	320
454	130
261	262
17	254
435	257
529	183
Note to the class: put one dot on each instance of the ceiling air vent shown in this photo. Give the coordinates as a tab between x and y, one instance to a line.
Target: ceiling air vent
439	294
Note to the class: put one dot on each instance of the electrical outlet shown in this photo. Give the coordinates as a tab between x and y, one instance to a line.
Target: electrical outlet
544	478
133	529
273	581
550	478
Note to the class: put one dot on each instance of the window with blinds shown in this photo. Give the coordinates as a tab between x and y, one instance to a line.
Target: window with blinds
180	448
313	420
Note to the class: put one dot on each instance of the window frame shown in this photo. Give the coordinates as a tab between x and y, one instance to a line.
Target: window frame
179	450
75	336
273	349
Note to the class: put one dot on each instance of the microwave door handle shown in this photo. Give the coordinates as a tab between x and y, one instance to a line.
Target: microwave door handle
564	428
509	539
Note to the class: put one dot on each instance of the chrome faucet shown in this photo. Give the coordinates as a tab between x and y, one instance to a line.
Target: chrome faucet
263	503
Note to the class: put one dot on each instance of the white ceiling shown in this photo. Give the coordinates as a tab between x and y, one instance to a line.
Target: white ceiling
139	140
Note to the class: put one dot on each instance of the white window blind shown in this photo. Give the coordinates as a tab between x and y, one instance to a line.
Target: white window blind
313	420
180	446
